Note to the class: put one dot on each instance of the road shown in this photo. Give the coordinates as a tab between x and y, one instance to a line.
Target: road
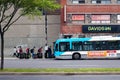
59	77
51	63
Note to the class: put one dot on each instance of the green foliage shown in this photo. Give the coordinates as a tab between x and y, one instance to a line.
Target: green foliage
36	5
29	7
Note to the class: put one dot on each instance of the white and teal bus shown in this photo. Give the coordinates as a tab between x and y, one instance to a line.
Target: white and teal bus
94	47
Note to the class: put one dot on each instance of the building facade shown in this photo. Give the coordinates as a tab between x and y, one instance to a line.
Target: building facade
86	18
29	33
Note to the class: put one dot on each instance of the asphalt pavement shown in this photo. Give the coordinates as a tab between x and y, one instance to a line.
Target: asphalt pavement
58	73
59	77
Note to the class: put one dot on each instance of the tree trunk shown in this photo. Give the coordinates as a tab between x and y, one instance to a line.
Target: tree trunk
2	51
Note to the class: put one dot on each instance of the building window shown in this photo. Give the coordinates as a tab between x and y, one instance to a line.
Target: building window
101	1
118	1
97	19
96	1
118	18
78	18
78	1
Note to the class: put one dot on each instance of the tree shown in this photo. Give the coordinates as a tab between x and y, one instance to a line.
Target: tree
9	9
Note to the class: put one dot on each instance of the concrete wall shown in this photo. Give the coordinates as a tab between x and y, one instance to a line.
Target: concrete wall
29	33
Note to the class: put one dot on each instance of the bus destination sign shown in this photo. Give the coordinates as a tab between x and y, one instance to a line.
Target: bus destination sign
101	28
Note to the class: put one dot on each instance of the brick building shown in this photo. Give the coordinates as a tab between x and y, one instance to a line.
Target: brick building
85	18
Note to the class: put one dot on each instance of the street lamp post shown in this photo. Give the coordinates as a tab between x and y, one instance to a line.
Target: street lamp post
46	36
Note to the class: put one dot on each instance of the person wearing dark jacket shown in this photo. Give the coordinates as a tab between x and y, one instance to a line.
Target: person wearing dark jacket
39	53
49	52
32	51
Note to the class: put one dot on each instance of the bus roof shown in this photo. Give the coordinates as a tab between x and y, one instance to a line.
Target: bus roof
99	38
73	39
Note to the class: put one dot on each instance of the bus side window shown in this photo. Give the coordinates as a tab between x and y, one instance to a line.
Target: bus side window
118	44
88	46
104	45
113	45
76	46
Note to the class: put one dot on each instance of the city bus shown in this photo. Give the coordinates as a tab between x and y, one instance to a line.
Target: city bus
91	47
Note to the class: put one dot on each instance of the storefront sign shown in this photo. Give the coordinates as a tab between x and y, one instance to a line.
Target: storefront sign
101	28
100	17
77	17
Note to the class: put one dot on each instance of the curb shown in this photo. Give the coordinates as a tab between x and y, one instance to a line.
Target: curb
9	58
58	73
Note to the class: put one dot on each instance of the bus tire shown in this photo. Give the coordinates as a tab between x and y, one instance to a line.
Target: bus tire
76	56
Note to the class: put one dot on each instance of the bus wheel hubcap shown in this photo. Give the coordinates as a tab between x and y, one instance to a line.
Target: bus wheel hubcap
76	56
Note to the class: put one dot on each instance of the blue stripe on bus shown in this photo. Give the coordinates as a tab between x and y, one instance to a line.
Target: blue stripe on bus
58	53
73	39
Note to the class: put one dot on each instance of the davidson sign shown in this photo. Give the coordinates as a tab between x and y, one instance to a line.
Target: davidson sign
101	28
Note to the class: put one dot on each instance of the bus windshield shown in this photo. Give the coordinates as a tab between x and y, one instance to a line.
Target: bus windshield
64	46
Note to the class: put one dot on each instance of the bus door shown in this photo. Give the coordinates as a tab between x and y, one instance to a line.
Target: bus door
56	51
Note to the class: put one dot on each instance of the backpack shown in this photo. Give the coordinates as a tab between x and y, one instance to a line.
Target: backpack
31	50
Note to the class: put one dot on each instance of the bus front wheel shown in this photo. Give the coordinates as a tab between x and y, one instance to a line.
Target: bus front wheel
76	56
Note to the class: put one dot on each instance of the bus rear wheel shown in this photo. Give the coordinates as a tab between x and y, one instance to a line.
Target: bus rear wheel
76	56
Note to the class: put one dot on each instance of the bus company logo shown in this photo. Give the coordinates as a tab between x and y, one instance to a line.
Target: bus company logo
111	53
97	53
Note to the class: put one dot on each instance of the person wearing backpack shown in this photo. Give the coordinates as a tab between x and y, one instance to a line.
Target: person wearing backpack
39	53
27	54
32	51
20	51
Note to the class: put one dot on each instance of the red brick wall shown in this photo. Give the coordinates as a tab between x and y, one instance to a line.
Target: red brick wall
93	9
71	29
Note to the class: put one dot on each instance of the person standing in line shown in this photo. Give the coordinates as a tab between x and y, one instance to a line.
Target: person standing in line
15	52
39	53
27	50
46	51
20	52
27	55
32	51
49	52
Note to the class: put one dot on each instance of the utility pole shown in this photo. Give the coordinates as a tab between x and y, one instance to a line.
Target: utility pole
46	36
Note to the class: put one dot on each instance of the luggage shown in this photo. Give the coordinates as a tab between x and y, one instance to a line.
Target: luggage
35	56
39	55
27	55
21	55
